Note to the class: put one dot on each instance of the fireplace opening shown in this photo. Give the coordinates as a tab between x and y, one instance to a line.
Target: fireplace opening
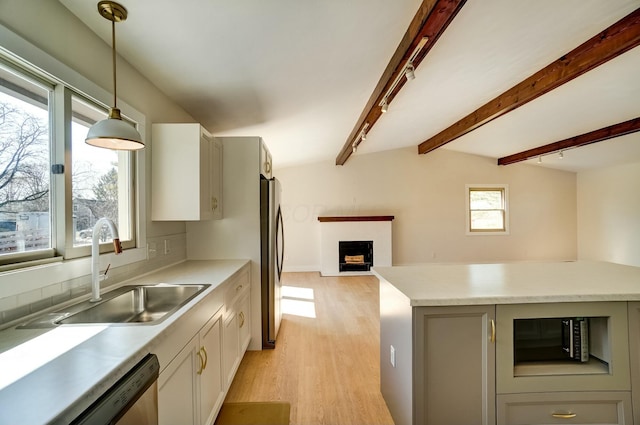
355	256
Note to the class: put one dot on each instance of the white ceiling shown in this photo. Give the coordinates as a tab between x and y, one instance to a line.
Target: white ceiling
299	72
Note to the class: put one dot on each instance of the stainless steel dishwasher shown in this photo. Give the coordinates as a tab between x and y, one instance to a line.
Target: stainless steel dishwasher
133	400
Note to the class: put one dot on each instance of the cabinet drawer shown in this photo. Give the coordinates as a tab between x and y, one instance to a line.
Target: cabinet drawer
603	408
236	287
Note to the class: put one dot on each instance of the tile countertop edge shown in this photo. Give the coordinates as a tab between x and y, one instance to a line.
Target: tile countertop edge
98	362
513	283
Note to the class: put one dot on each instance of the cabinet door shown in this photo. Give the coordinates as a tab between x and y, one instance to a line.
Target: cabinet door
181	172
177	388
230	351
215	175
244	322
204	188
454	379
211	386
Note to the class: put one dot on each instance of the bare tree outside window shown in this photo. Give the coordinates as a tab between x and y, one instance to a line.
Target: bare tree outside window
24	176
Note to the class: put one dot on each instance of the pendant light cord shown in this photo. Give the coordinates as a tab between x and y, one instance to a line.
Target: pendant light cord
113	44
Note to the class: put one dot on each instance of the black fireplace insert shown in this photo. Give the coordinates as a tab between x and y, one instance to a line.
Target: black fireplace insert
355	256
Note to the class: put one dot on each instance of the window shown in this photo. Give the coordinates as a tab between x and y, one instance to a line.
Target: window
100	179
53	186
487	211
25	210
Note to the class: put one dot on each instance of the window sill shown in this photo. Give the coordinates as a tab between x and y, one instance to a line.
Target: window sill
20	281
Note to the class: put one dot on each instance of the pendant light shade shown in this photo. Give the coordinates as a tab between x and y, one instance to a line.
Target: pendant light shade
114	132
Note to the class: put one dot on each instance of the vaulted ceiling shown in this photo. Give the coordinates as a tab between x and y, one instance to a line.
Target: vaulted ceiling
302	73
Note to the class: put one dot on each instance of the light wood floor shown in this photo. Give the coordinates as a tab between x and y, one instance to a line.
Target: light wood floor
327	367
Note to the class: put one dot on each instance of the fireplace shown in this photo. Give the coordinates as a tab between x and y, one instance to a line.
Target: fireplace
355	256
375	231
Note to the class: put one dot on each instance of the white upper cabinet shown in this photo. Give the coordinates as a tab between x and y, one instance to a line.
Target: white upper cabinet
186	173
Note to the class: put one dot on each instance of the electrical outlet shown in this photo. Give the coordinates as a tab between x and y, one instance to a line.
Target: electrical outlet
393	356
167	247
152	250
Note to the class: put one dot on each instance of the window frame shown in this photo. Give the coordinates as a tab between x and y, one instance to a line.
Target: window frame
504	190
28	59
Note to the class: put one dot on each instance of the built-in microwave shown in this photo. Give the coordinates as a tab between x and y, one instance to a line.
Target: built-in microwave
551	339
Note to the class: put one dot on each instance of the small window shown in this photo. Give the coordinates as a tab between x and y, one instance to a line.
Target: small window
487	211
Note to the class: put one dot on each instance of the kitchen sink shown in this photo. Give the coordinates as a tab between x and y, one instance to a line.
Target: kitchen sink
139	304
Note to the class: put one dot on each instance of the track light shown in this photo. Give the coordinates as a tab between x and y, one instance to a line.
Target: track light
561	155
409	72
540	159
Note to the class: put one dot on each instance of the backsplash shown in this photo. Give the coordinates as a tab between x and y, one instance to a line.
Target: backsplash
13	308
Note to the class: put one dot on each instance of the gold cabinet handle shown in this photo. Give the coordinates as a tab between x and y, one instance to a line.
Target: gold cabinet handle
239	287
202	363
206	358
493	331
214	203
267	166
241	318
564	415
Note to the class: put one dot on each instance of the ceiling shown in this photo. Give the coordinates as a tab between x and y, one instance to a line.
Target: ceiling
300	72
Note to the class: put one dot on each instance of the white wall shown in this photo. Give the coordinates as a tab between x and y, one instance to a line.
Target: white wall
426	194
609	214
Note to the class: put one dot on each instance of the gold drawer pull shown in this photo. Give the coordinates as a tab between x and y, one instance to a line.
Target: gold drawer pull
238	288
241	319
564	415
493	330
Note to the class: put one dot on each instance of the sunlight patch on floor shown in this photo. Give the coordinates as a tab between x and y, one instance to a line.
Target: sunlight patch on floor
298	301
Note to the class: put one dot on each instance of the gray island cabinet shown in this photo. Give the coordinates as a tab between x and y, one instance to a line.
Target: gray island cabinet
489	343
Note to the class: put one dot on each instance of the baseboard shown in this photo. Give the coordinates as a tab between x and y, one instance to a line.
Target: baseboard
294	269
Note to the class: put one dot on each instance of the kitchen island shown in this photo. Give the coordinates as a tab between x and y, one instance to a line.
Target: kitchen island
447	343
52	375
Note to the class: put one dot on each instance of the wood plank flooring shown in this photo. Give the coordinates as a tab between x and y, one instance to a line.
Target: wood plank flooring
326	366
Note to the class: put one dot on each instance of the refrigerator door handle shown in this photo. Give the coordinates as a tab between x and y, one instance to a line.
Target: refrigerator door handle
279	246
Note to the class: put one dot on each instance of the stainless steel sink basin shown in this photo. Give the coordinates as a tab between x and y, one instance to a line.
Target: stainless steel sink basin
126	305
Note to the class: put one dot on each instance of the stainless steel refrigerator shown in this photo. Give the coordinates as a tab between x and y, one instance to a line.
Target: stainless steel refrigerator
272	257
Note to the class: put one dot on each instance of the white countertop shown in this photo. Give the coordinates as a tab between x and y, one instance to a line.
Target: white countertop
513	283
46	372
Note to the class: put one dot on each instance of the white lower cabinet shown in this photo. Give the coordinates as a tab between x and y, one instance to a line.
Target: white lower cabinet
190	389
231	357
602	408
192	386
177	388
237	333
244	321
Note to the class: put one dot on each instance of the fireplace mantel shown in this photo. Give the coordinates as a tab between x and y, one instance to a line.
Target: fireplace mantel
333	230
356	218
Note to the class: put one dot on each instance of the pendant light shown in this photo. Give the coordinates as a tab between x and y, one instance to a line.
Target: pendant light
114	132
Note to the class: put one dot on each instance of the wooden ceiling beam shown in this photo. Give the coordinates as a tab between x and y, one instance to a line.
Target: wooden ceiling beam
430	21
595	136
622	36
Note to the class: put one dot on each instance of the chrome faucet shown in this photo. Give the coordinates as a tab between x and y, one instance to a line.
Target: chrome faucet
95	254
